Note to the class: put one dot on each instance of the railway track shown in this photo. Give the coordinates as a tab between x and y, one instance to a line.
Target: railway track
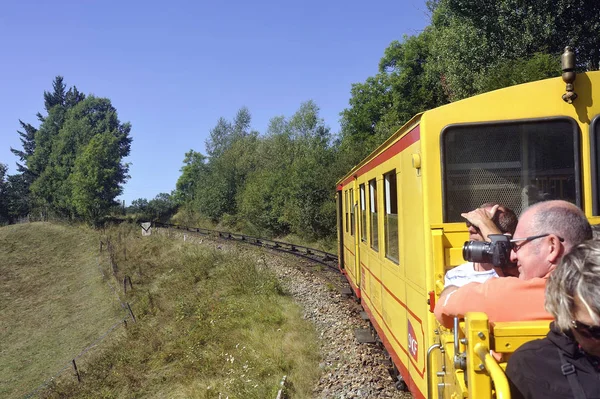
316	255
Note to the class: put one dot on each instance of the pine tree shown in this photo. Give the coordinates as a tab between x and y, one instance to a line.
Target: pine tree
28	143
57	97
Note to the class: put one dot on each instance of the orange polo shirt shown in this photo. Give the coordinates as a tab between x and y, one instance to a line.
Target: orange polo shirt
502	299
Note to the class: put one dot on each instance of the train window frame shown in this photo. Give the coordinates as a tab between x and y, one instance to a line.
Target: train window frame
575	131
352	213
594	135
346	202
390	202
363	213
374	227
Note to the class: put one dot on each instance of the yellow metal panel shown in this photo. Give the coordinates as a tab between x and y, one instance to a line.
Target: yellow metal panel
476	332
413	217
509	336
454	256
521	328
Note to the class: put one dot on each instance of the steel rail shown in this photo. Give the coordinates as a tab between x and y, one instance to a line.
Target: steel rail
316	255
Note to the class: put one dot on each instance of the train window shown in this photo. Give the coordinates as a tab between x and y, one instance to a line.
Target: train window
352	206
595	155
373	215
346	201
363	214
391	216
516	163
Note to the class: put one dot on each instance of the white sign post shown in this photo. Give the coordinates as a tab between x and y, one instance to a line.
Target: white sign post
146	229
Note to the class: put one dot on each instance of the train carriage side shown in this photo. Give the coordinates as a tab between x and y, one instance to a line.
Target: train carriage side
386	192
517	146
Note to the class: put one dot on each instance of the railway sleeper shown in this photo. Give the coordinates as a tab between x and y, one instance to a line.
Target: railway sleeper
365	336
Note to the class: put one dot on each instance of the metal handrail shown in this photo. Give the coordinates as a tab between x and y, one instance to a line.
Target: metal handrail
429	367
495	371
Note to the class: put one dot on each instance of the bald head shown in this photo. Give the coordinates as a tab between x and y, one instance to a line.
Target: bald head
561	218
545	233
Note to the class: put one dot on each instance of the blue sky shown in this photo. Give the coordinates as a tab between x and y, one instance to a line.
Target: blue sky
173	68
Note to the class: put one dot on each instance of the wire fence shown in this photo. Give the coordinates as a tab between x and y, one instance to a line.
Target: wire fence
126	307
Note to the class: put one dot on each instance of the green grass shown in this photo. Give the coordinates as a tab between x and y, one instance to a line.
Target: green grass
209	324
53	302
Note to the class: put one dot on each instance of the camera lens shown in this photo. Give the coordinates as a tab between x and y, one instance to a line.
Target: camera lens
476	251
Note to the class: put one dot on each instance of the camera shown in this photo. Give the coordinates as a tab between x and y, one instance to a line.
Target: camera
496	252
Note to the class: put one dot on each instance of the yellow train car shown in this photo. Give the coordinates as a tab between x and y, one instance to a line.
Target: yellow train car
400	227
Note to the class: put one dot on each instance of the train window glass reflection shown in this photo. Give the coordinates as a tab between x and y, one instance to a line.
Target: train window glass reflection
363	214
352	206
373	215
391	216
515	163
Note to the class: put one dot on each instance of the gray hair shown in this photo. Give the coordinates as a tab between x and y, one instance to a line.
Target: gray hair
563	219
577	275
596	231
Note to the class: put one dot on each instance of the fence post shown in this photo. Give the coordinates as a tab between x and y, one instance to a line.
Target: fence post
131	312
113	263
125	285
76	371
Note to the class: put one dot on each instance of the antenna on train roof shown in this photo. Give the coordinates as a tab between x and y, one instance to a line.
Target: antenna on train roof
567	60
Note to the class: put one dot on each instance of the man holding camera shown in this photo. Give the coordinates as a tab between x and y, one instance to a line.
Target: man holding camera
489	218
546	231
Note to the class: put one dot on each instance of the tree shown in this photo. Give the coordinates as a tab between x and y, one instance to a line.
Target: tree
45	175
369	102
231	158
17	196
290	189
219	139
404	86
4	214
68	152
28	143
193	172
96	175
241	124
138	206
57	97
161	207
474	40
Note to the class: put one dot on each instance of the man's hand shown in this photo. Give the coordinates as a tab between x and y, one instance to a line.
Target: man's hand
482	219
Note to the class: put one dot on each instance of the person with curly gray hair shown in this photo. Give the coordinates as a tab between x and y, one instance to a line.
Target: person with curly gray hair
565	364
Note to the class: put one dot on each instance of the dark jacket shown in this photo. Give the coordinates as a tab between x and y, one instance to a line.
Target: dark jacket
534	370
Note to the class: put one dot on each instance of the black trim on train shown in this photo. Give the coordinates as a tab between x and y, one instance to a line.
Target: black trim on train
595	164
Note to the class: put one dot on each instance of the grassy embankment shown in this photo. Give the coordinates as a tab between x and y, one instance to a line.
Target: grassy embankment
53	302
210	324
